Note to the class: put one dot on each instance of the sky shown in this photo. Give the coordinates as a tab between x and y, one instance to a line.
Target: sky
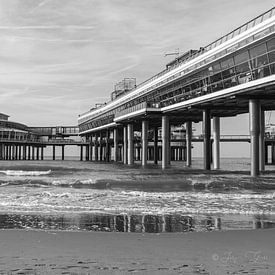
60	57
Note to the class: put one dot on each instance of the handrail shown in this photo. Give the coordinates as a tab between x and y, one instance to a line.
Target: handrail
37	141
225	137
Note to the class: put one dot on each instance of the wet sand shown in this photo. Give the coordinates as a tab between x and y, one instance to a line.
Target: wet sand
56	252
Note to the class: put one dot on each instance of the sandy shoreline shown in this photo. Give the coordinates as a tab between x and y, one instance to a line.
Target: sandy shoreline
55	252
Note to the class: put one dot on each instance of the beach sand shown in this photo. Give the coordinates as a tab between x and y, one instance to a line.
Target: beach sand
56	252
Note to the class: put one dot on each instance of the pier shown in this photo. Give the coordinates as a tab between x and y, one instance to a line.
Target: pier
153	121
233	75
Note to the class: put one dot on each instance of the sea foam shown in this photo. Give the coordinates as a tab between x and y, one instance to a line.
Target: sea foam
25	173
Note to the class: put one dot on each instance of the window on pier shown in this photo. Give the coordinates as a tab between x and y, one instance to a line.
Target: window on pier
238	68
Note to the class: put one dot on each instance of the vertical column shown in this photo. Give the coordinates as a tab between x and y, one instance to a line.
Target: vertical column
96	147
130	135
107	151
156	145
10	152
81	152
91	149
19	152
169	143
100	147
262	140
33	153
115	144
125	145
138	154
53	152
87	152
272	153
24	152
7	151
63	152
216	143
266	153
29	152
37	152
254	119
207	139
13	151
2	151
16	151
144	140
165	141
42	153
180	154
188	143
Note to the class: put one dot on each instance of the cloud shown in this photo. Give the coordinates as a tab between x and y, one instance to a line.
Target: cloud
59	57
47	27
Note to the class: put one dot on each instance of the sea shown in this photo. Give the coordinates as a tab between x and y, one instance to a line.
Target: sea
75	195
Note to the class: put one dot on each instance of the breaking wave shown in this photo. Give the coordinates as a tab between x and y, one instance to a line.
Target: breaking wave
25	173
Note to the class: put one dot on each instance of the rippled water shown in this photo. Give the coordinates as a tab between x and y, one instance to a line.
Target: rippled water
79	193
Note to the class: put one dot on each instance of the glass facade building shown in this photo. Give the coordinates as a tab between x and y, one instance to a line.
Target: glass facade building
244	55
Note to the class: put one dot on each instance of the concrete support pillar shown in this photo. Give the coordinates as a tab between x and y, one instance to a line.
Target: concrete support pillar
7	149
2	147
13	152
10	152
125	145
139	154
266	153
163	223
16	151
96	147
24	152
169	144
63	152
107	151
180	154
100	147
115	144
144	140
262	140
5	152
165	141
42	153
206	129
188	143
91	151
29	152
53	152
130	141
81	152
216	143
19	152
254	120
156	145
37	153
33	153
272	153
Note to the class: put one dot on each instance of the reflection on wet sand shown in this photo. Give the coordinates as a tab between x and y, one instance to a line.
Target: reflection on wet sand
133	223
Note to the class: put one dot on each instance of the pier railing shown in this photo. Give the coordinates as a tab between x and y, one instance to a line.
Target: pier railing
43	142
